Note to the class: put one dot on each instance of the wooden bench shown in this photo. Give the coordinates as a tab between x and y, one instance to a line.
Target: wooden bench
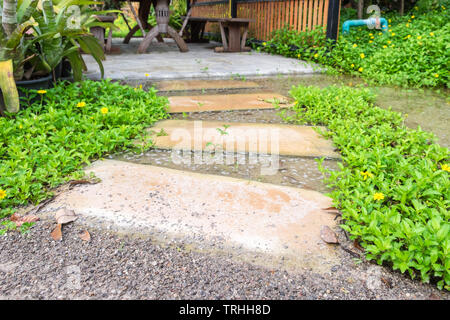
230	31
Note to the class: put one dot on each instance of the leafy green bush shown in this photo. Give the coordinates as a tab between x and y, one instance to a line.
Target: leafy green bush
393	185
48	143
415	51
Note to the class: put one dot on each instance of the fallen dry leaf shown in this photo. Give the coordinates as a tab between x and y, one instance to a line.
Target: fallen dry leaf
328	235
25	219
333	210
85	236
57	232
357	245
64	216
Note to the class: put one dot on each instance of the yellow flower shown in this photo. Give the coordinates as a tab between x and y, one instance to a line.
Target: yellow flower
407	25
436	75
355	45
316	56
104	110
385	46
393	34
147	75
20	126
378	196
2	194
444	167
140	86
419	37
42	91
299	55
370	34
264	43
412	17
389	42
389	25
362	55
81	104
370	41
389	20
352	65
432	34
380	33
366	174
360	69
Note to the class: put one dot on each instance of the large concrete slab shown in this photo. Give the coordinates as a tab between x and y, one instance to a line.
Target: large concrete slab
191	85
224	102
287	140
164	61
206	211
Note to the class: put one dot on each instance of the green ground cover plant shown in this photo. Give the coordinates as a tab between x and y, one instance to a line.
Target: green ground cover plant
393	184
414	52
50	140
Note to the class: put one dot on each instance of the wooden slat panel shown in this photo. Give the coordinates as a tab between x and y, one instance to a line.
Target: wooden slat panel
310	12
315	13
305	15
319	21
300	15
295	11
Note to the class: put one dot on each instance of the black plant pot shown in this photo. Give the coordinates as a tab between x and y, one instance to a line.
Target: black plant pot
36	84
63	71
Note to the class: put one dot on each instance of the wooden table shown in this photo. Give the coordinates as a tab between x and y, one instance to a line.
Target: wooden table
161	15
230	31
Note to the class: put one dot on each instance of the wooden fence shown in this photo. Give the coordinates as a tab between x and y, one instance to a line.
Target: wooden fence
270	15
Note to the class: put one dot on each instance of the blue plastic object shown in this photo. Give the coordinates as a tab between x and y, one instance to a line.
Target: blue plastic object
370	23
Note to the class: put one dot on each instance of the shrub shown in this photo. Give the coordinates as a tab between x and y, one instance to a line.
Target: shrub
415	51
393	182
49	142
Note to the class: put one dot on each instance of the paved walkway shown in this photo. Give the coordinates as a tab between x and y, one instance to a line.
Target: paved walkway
212	211
165	62
198	236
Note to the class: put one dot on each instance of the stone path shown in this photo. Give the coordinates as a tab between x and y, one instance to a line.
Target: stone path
160	233
165	62
225	102
288	140
280	224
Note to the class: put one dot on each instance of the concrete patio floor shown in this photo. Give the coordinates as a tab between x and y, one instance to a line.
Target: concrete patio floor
163	61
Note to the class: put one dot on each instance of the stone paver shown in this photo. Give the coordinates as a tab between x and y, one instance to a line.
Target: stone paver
224	102
287	140
178	85
165	62
208	211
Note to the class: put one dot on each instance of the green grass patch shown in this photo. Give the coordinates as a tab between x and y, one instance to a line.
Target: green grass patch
49	141
414	52
393	183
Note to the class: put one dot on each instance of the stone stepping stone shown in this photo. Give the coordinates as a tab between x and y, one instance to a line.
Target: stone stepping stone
207	211
225	102
178	85
287	140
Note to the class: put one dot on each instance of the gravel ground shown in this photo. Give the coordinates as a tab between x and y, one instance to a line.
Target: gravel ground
34	266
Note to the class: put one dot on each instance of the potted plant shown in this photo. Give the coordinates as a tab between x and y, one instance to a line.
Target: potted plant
36	42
